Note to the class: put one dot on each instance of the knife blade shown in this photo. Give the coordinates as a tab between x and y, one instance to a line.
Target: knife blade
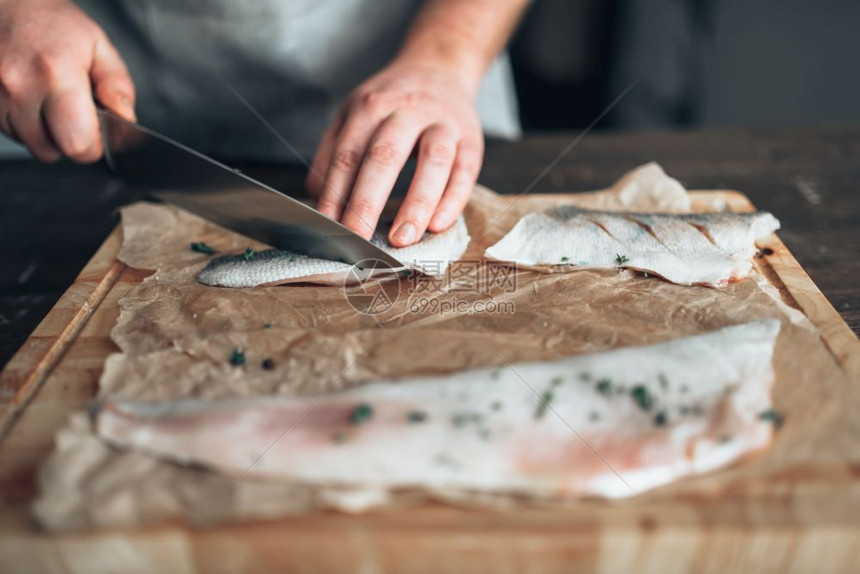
180	175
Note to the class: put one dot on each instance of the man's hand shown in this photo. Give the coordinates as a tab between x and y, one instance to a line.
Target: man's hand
406	106
53	58
423	100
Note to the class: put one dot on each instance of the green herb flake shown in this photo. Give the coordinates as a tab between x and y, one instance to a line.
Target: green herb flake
772	416
361	414
415	417
248	254
201	247
339	438
462	419
621	259
643	397
565	259
660	419
546	400
267	325
604	387
268	364
237	358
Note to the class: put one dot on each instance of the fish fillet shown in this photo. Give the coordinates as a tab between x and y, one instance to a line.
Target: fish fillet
609	424
709	249
431	256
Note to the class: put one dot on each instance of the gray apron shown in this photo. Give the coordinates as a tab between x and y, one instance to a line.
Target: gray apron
293	60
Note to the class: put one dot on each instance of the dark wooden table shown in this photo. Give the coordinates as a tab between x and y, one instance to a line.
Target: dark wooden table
53	217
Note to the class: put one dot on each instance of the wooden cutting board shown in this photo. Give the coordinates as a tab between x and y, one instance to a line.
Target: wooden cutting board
57	369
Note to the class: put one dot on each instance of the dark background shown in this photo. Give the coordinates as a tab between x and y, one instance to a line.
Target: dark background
697	63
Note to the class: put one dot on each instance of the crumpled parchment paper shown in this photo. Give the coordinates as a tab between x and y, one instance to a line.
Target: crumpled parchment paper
176	337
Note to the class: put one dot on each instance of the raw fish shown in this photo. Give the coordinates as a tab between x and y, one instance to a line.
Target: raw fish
711	249
611	424
431	255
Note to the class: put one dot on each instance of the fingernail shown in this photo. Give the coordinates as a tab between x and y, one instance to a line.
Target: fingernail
440	220
125	101
406	233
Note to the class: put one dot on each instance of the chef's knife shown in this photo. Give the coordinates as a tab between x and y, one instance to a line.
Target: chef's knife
175	173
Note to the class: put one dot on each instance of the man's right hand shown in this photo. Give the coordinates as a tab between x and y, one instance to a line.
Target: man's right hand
53	60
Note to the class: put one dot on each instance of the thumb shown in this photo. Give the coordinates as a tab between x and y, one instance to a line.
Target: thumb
112	84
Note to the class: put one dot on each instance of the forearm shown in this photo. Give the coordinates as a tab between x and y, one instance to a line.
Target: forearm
463	36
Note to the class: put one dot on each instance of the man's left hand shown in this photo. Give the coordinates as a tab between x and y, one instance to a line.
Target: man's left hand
404	107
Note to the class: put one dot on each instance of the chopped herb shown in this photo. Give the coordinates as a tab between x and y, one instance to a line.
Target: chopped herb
248	254
594	416
237	358
565	259
361	414
339	438
268	364
621	259
604	387
556	381
267	325
774	417
496	406
201	247
462	419
643	397
415	417
660	419
546	399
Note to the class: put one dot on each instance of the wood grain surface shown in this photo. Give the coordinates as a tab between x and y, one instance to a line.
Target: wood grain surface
757	528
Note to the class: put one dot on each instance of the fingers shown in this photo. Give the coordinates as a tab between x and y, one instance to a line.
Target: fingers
71	119
111	82
362	120
385	157
435	158
21	112
26	126
464	174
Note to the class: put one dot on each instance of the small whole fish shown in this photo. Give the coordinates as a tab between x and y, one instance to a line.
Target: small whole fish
431	255
610	424
711	249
